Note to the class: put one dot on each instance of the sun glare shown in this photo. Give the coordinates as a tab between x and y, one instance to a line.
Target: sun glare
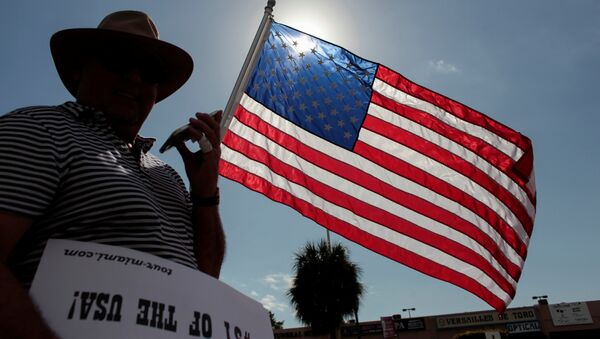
305	44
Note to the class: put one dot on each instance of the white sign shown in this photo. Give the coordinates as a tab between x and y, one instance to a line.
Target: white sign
570	314
88	290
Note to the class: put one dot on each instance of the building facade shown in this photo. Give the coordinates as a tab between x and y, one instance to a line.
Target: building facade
576	320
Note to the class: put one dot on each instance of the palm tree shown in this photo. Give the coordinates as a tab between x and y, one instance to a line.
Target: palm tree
326	288
275	324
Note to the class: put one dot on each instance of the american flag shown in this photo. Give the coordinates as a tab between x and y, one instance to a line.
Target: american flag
388	164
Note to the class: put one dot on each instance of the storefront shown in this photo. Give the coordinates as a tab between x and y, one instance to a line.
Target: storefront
554	321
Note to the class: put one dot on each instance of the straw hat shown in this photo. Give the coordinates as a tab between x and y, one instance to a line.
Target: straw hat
131	30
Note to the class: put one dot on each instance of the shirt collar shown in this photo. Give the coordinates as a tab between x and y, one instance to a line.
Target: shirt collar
89	113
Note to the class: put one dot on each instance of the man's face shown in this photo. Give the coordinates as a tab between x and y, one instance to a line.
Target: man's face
123	85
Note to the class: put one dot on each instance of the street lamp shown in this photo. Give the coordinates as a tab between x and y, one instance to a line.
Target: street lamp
408	309
542	299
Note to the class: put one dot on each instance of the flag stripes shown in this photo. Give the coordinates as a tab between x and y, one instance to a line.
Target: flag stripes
271	170
395	114
416	177
369	177
489	154
432	267
350	196
454	113
268	132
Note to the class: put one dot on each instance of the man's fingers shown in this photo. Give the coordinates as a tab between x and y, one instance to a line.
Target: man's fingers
183	150
208	125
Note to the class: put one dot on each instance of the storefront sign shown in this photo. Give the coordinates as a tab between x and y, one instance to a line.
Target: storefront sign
529	326
353	330
410	324
570	314
387	323
87	290
486	318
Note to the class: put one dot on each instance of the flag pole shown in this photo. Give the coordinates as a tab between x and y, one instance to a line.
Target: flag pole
248	67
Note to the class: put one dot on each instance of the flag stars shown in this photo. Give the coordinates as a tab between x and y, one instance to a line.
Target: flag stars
314	85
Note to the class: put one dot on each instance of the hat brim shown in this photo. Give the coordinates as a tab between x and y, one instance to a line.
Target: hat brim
70	47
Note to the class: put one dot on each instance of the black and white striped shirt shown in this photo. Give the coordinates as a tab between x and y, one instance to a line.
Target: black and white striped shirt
64	167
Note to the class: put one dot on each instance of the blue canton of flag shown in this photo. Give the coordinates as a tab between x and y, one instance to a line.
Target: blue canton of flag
317	85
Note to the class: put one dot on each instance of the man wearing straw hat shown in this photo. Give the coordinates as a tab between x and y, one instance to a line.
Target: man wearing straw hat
80	170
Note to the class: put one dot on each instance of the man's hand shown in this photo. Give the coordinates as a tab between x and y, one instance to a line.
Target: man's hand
202	167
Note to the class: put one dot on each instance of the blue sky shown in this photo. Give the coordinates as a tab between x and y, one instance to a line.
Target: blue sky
532	65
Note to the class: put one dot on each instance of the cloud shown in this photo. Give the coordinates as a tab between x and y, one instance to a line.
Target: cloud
271	303
278	281
443	67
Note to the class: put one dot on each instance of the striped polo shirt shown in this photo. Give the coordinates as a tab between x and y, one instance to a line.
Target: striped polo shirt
64	167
